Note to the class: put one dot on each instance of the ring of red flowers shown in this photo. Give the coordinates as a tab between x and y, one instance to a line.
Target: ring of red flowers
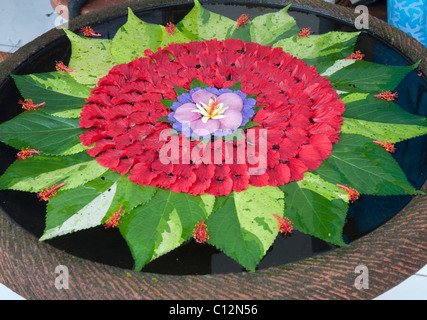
300	110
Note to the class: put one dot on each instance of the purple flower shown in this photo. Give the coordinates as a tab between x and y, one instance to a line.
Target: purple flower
209	111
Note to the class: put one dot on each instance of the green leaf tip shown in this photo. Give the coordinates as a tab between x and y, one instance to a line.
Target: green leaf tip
242	224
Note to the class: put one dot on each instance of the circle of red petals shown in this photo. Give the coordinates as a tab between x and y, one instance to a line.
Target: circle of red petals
301	112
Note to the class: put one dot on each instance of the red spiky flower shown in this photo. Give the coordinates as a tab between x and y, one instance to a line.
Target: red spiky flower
305	32
170	28
356	56
60	66
200	232
353	194
26	153
242	20
28	104
49	192
88	32
285	225
114	220
388	146
387	95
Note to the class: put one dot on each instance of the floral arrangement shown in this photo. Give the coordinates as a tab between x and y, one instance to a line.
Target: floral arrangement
226	132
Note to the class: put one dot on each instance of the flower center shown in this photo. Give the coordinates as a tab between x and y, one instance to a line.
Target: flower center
213	110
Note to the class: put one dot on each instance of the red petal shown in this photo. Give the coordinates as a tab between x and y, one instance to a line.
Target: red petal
299	121
309	155
199	187
205	171
142	174
100	98
273	158
297	135
183	183
279	175
141	131
297	168
326	129
91	136
287	149
220	187
322	144
121	110
101	145
117	126
122	141
125	165
157	165
110	158
163	180
259	180
92	111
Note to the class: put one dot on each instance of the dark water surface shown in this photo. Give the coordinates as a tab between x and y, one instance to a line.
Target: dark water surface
107	246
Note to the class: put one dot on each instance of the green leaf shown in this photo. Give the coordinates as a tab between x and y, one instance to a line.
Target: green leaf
271	27
243	33
364	76
379	119
89	205
90	58
243	226
180	91
326	69
136	36
202	24
250	124
177	37
161	225
365	166
49	134
256	109
347	98
321	51
164	119
129	195
253	96
317	208
63	96
39	172
237	86
237	135
167	102
195	83
209	202
373	109
78	209
381	131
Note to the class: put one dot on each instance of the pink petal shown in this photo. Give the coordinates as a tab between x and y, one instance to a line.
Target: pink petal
232	101
184	113
204	129
202	96
232	120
